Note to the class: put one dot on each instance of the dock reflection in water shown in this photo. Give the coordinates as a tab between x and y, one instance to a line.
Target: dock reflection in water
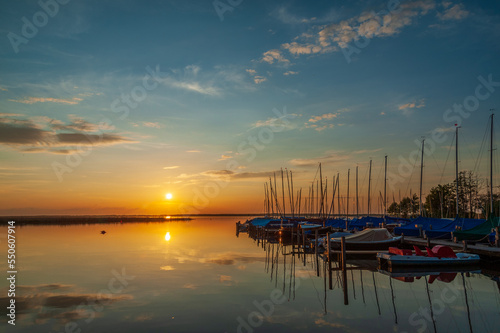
449	299
204	279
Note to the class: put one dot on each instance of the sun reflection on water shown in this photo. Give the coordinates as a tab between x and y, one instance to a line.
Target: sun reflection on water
167	236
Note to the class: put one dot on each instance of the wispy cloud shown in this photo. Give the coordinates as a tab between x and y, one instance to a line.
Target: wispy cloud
324	116
32	100
408	107
290	73
152	124
206	89
256	78
225	157
259	79
193	151
171	167
224	175
331	157
322	122
456	12
412	105
272	56
3	89
189	79
278	122
285	16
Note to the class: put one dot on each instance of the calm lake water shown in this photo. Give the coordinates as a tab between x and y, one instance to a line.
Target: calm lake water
197	276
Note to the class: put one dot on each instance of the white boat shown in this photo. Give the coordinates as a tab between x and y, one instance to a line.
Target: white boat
366	240
439	255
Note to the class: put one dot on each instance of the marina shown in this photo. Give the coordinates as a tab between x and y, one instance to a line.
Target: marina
232	284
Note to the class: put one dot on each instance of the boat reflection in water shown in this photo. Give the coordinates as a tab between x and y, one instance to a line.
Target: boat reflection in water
433	299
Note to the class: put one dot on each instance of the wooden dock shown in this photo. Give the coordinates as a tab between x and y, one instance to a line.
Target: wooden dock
482	250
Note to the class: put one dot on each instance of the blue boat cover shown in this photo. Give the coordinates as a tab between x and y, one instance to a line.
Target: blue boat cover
427	223
460	223
479	232
335	223
360	224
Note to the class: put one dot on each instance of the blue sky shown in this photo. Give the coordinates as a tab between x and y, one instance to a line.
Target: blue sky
88	128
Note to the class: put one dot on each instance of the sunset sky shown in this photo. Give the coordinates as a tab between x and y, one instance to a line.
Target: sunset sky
107	106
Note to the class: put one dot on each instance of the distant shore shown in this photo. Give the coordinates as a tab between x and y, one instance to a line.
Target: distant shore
102	219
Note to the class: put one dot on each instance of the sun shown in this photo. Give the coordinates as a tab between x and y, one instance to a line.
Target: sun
168	196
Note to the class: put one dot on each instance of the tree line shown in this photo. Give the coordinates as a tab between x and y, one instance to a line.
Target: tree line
473	200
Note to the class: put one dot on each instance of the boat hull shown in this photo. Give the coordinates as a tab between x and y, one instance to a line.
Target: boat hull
394	260
365	246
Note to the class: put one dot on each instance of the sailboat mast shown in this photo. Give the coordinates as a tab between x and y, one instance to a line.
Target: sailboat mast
321	184
283	192
265	200
491	166
357	197
338	191
385	187
369	186
456	166
292	201
347	203
421	176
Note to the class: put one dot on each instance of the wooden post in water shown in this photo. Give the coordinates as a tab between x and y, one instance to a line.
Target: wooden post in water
304	245
343	250
497	237
344	271
316	251
298	241
330	284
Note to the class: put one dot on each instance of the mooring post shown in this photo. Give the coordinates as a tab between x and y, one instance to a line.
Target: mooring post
497	237
344	270
343	249
402	239
298	242
428	242
330	282
316	251
304	245
465	245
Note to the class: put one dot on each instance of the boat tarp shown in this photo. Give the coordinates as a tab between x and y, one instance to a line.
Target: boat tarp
460	223
369	235
335	223
427	223
363	222
262	222
398	220
479	232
